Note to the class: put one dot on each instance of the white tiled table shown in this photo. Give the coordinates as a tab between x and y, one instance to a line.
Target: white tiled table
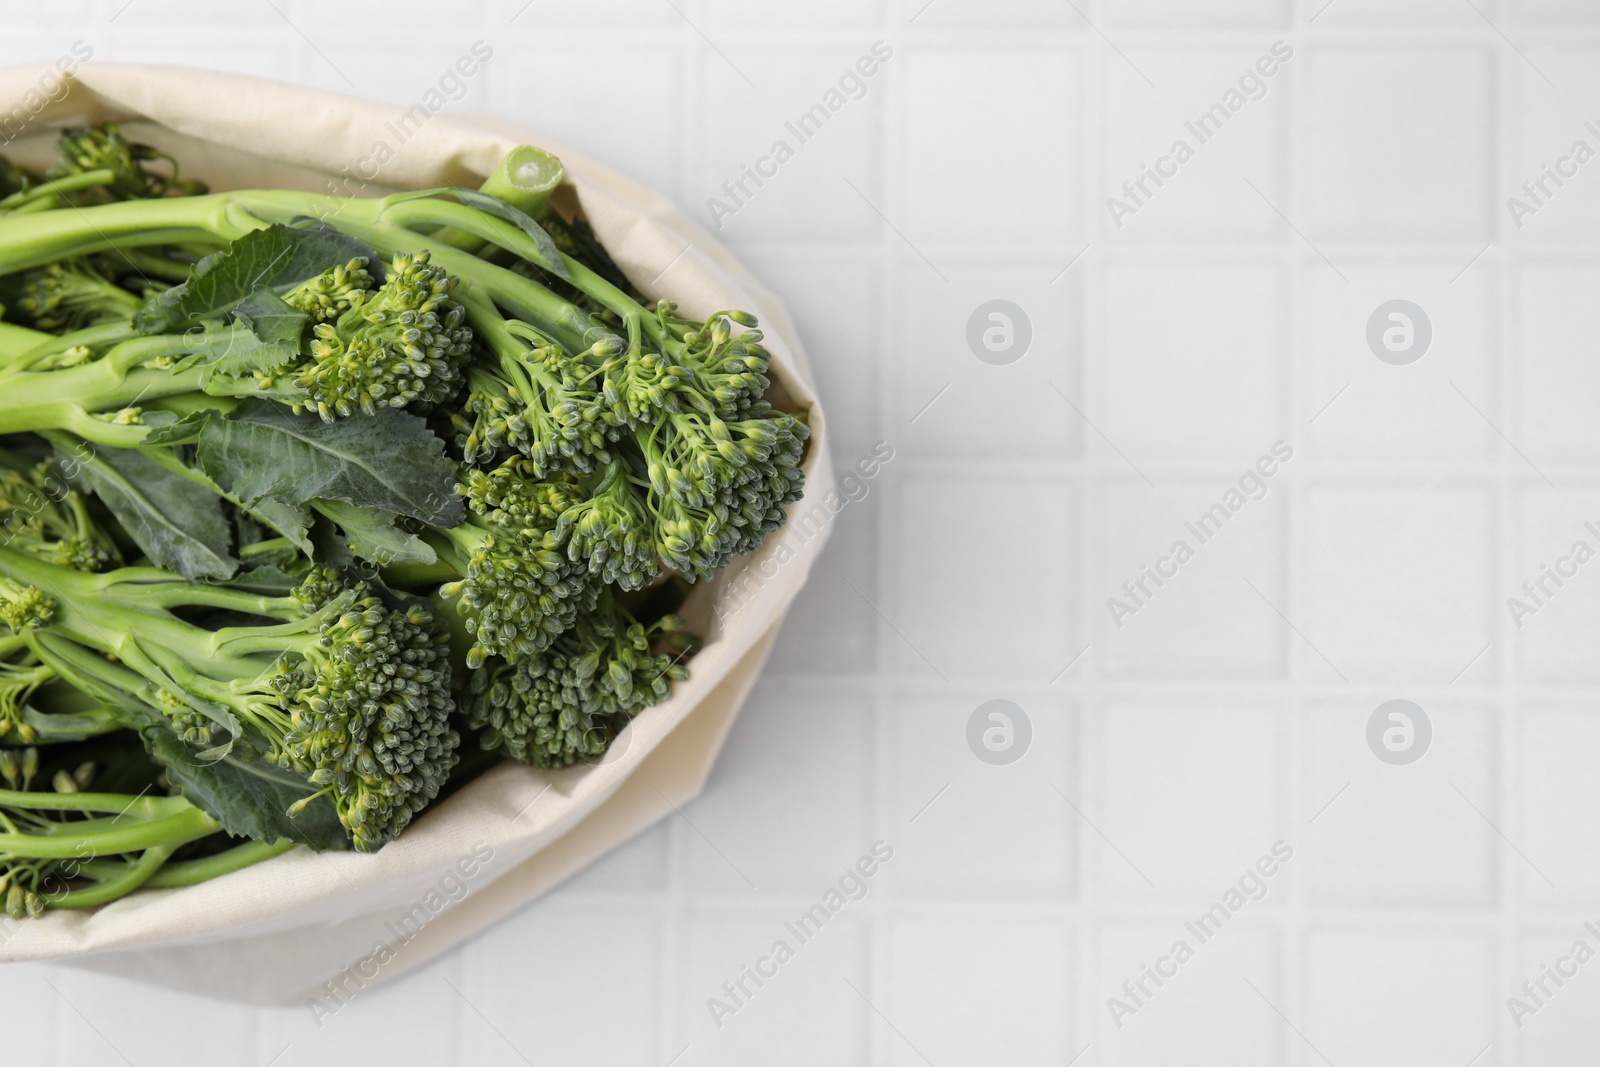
1227	714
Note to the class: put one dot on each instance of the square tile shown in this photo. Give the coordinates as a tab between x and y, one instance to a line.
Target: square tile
1016	109
105	1020
1203	619
980	990
1361	408
1205	1006
1393	997
1555	12
273	57
1181	159
1399	585
24	987
1551	193
62	45
1554	346
1551	598
598	17
432	75
166	14
382	1020
1188	798
1193	360
935	15
1401	143
775	1022
982	589
1350	14
837	301
776	159
965	829
636	866
1416	836
1554	1016
857	17
987	362
588	937
1556	791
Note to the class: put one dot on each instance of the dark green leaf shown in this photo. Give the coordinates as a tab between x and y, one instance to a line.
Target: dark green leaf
235	350
288	520
167	428
375	536
332	548
277	257
390	461
271	317
250	798
179	524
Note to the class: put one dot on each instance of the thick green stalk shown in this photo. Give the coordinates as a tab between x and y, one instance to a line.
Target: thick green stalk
155	265
57	399
145	808
187	825
525	178
193	872
36	239
17	341
30	241
134	875
102	335
100	613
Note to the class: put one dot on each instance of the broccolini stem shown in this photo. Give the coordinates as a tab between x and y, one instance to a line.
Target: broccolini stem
47	191
92	337
193	872
59	399
146	808
17	341
173	594
186	825
525	178
33	240
133	875
155	265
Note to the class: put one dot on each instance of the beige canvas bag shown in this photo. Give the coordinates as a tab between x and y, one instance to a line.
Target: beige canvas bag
321	927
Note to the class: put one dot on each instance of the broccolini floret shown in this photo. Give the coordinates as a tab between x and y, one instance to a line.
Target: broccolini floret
565	705
41	515
404	343
97	164
73	294
335	685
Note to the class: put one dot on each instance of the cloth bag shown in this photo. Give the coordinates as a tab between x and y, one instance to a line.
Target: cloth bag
318	928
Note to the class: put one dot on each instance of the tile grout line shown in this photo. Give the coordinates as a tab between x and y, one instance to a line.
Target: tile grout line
1507	710
1295	937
